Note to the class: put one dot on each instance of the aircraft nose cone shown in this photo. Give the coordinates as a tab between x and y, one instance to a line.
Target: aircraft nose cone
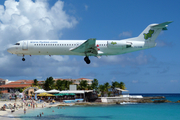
9	50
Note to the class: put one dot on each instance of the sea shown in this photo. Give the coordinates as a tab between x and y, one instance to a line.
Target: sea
140	111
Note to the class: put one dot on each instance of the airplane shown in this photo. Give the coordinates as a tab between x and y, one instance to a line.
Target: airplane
90	47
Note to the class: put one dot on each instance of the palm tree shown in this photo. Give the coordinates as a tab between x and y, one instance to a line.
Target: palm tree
122	85
107	86
83	84
35	82
59	84
102	89
49	84
114	85
67	83
94	84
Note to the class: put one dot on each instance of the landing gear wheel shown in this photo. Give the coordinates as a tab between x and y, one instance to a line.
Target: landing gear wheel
86	59
23	59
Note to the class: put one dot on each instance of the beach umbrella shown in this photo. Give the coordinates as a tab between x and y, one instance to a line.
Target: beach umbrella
40	91
65	93
49	95
59	94
72	94
45	94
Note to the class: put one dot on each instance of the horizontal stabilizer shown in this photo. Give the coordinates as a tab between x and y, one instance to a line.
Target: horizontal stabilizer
162	25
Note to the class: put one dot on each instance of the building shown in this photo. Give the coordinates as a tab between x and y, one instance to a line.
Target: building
4	81
14	86
76	81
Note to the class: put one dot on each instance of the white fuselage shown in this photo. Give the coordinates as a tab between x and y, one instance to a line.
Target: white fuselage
62	47
90	47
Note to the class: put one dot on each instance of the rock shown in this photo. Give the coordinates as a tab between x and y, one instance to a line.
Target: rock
162	101
144	101
178	101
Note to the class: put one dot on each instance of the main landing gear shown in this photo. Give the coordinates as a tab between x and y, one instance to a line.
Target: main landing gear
23	59
86	59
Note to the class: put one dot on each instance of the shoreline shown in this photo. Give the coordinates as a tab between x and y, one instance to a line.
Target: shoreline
7	115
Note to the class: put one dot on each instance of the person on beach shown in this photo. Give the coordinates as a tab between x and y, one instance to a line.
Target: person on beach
44	104
24	110
4	107
10	98
14	105
31	104
15	98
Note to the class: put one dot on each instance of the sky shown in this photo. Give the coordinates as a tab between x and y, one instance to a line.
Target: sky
155	70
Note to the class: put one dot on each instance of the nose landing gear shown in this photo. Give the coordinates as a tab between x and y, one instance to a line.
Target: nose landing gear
86	59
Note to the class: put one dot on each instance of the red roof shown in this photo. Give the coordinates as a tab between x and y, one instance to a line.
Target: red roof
15	86
19	83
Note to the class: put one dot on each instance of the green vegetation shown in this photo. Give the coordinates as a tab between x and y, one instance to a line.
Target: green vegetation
63	85
103	89
49	84
35	82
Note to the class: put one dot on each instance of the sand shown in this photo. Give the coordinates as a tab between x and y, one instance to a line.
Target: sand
7	115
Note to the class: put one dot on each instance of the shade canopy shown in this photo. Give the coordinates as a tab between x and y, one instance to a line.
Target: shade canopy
40	91
73	91
121	89
45	94
53	91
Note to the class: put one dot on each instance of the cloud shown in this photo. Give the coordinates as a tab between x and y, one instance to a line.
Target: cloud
59	58
125	34
174	81
161	43
32	20
86	7
128	59
26	19
165	70
135	81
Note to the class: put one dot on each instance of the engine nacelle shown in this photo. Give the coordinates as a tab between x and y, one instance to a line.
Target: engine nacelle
119	44
138	44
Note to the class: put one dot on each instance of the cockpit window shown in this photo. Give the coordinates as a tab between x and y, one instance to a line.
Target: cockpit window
17	44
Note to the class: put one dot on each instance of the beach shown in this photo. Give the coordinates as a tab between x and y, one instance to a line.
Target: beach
8	115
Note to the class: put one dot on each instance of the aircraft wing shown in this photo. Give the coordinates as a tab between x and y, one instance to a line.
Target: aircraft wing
88	47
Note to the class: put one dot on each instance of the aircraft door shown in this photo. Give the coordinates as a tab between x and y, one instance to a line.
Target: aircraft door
25	45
